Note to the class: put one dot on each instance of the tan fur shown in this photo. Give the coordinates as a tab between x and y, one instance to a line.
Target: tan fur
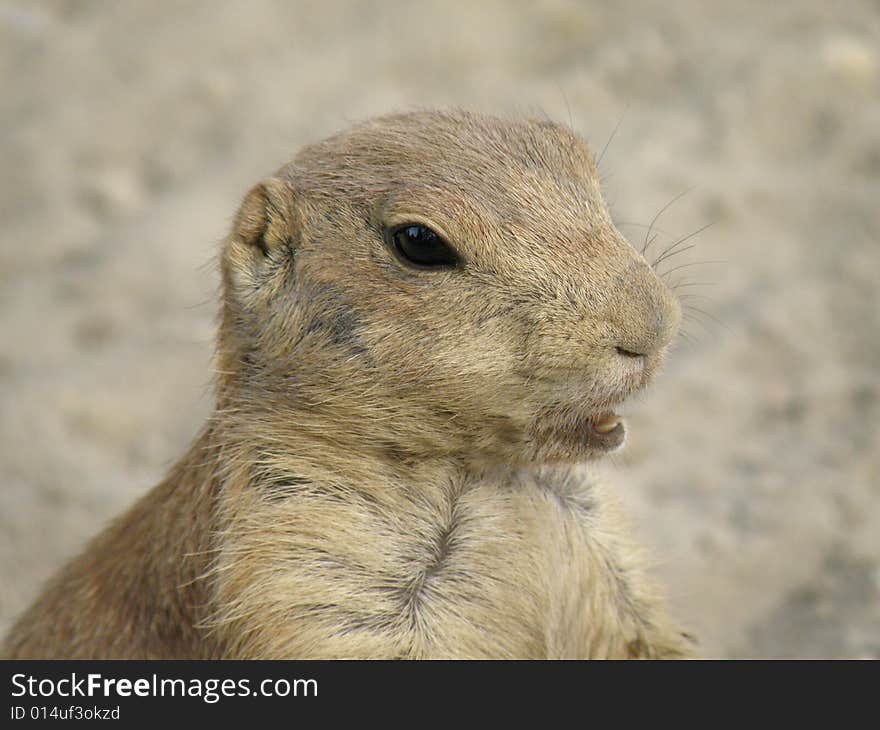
397	464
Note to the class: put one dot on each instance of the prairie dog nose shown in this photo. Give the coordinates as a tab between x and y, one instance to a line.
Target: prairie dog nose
649	318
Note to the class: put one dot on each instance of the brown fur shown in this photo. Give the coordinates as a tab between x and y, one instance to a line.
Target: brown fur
395	467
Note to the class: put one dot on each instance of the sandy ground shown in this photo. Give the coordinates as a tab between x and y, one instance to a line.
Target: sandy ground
131	130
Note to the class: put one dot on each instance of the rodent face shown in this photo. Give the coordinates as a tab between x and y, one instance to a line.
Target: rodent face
547	319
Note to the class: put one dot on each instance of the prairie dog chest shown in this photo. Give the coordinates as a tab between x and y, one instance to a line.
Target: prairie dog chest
516	561
497	567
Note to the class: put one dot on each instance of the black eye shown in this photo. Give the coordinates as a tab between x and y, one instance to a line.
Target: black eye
419	245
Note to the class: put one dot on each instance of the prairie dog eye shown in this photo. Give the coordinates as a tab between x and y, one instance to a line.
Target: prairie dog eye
419	246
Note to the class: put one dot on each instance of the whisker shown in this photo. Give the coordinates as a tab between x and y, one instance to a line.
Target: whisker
682	240
696	296
659	213
687	301
692	318
644	225
696	310
707	322
613	132
669	253
657	231
684	284
567	105
693	263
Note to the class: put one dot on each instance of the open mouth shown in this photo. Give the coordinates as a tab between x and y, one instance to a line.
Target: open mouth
577	436
605	431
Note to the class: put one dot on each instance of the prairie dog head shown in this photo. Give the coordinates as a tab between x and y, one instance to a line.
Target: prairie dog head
440	284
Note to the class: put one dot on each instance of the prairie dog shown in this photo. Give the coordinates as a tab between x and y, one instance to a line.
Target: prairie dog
427	321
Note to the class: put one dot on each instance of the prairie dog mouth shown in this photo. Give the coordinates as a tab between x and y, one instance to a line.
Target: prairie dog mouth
605	431
577	436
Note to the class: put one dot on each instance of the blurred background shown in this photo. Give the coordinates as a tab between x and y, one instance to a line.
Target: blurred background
130	132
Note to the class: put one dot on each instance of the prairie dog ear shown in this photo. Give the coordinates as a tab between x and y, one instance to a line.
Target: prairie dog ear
266	220
264	235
